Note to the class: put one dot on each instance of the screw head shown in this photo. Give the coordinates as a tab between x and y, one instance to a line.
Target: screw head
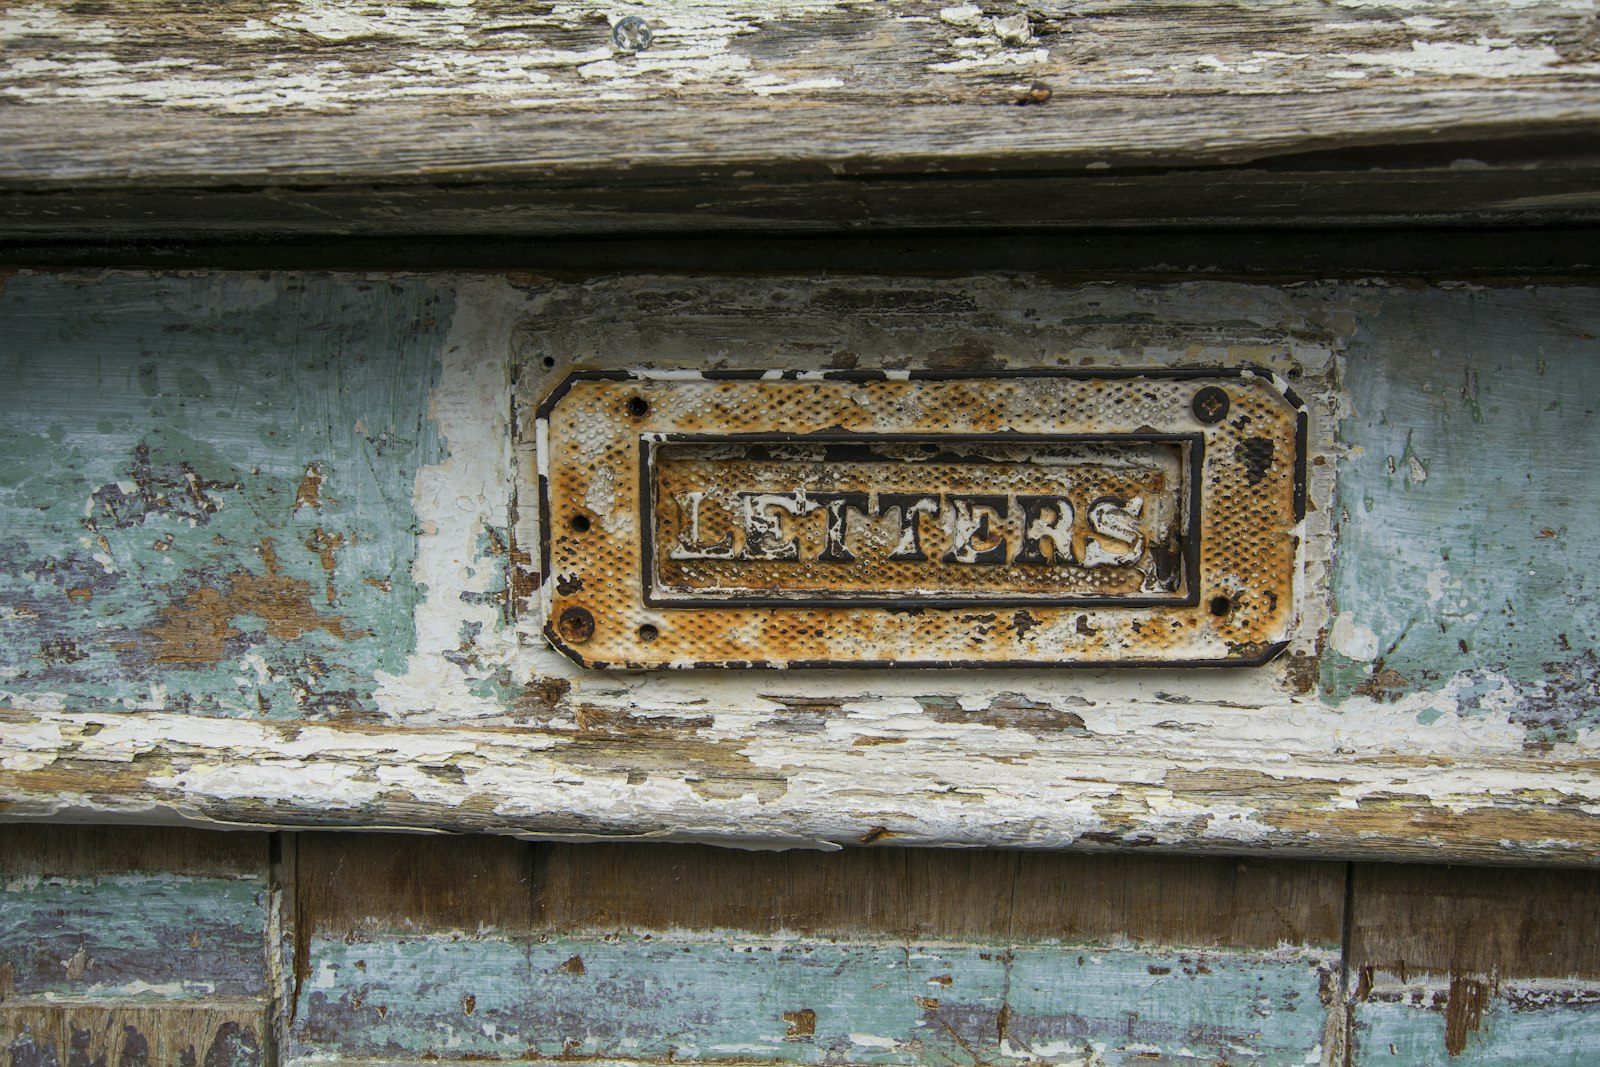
575	625
1210	405
632	34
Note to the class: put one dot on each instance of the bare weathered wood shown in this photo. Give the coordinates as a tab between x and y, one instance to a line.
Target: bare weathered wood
1475	921
134	1034
981	895
489	117
55	851
355	883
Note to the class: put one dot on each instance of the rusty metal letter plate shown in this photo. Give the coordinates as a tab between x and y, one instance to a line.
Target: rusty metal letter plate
852	519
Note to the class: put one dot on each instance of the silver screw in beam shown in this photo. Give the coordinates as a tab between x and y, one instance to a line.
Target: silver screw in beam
632	34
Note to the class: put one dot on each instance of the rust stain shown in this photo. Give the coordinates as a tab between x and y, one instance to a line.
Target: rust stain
968	355
1300	673
1383	683
80	592
543	697
381	584
573	966
802	1023
469	1003
309	495
877	833
522	575
195	630
1463	1011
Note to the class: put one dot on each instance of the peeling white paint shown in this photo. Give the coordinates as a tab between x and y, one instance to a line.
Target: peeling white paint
1482	59
1353	639
471	407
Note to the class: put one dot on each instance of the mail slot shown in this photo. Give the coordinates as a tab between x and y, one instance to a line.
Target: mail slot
869	519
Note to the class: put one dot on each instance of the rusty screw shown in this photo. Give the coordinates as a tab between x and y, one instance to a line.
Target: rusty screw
1210	405
576	625
1038	93
632	34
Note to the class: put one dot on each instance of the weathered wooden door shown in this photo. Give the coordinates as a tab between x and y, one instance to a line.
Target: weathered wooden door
810	532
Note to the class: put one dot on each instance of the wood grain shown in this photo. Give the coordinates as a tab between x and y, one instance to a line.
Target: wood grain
492	117
914	893
1483	922
361	882
134	1034
52	851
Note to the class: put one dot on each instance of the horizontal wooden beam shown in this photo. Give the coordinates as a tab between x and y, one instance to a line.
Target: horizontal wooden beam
810	115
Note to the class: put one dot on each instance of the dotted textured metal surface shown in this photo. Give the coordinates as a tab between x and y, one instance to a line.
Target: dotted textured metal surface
619	451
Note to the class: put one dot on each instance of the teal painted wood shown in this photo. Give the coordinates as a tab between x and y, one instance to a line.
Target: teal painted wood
154	935
1467	546
291	498
790	1001
202	472
1556	1027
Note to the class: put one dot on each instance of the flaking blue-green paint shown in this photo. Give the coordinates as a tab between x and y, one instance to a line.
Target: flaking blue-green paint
244	383
1550	1031
1467	541
689	999
151	935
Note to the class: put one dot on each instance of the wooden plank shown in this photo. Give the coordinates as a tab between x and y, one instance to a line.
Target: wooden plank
331	625
60	851
1479	921
347	884
142	947
781	1000
135	1034
640	953
765	108
940	894
101	912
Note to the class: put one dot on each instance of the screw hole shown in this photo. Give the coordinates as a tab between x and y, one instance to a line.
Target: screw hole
579	523
549	361
1220	606
648	632
1294	373
638	407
